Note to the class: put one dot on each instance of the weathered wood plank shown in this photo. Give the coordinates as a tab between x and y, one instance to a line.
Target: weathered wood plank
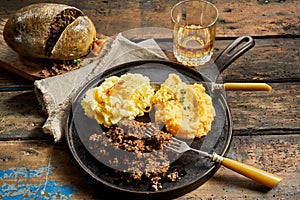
20	116
266	112
272	153
253	17
11	81
270	60
236	17
50	171
275	60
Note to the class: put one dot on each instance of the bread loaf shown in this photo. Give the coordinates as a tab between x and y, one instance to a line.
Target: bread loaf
53	31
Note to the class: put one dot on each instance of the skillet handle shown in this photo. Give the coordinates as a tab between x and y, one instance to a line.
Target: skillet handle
261	176
237	48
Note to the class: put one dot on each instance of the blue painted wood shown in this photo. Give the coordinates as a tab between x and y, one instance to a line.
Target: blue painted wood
26	188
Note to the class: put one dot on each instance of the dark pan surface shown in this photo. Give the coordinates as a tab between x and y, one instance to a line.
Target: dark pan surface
197	169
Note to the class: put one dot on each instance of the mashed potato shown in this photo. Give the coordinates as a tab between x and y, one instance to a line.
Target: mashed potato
118	97
206	110
186	110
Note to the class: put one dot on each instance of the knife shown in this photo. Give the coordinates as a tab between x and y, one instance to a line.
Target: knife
229	86
242	86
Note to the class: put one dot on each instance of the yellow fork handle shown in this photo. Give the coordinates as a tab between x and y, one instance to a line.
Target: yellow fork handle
247	86
261	176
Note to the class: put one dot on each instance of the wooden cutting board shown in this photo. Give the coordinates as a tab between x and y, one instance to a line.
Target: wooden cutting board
33	69
11	61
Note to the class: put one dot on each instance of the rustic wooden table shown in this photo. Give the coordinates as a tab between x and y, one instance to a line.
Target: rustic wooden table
266	124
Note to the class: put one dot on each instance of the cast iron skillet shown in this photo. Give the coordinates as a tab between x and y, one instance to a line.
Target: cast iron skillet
196	169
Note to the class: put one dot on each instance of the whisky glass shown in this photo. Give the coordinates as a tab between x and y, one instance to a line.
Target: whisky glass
194	31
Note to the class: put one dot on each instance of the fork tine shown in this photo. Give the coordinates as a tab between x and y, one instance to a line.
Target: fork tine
175	141
171	148
149	131
175	144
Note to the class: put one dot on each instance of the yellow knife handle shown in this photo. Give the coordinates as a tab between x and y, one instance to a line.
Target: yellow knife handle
261	176
247	86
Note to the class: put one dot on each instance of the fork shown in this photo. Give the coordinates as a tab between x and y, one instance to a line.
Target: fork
261	176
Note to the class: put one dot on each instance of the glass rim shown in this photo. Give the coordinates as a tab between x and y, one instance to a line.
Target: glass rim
207	2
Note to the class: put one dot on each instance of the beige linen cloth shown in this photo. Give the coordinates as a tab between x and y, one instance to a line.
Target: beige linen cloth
55	94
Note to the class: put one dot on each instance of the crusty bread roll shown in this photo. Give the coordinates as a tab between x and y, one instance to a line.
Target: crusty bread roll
53	31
